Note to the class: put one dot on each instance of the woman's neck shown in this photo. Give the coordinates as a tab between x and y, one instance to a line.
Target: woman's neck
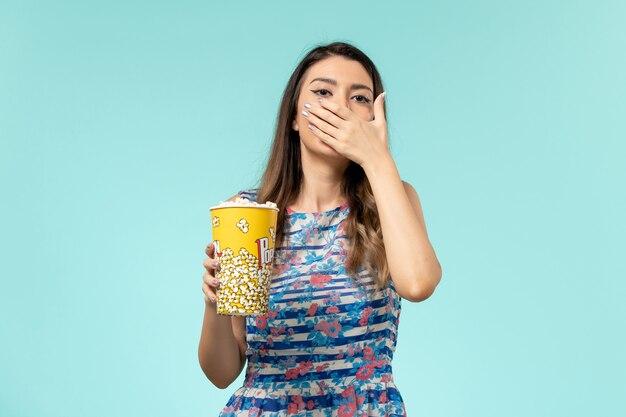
321	185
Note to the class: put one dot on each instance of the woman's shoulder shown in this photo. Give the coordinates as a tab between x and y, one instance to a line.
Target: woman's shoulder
249	193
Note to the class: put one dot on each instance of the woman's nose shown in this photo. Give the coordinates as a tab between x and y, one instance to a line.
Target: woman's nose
344	101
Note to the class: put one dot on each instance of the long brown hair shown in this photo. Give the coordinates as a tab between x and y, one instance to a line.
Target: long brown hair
283	175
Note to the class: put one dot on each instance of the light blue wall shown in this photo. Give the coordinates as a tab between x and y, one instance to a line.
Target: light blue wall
122	122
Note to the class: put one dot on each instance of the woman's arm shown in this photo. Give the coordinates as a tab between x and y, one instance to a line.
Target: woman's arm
413	265
221	353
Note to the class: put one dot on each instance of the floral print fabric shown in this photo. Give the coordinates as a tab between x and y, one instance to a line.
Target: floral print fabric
326	345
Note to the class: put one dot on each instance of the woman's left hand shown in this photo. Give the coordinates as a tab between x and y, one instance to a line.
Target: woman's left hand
359	140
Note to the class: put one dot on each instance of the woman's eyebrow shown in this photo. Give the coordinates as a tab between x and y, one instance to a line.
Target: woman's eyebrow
333	82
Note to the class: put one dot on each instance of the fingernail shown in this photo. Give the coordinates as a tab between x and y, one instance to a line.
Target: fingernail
384	95
319	99
215	264
307	105
215	282
212	298
305	113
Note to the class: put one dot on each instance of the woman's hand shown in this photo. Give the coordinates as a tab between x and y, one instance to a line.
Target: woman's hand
362	141
210	282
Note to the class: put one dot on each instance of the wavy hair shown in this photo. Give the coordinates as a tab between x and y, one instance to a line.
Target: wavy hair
282	178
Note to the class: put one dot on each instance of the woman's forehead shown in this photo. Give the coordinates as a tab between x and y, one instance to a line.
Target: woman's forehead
339	69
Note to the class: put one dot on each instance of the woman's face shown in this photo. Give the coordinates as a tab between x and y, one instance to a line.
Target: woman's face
340	80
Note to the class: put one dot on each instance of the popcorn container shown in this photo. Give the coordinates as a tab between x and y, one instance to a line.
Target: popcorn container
244	235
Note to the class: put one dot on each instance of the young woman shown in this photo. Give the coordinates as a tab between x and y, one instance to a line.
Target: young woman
350	243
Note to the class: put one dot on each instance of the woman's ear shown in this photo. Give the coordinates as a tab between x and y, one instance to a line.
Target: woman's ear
294	125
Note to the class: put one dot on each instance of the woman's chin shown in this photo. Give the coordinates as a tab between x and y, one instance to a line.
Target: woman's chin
328	151
325	150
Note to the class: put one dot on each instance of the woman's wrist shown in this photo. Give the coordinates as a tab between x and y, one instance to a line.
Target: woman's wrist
376	166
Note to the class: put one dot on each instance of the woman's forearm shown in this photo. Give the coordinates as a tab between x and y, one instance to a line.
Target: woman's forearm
413	264
218	351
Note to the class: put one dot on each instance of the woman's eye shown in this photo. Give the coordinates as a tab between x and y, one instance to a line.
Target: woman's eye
360	98
320	90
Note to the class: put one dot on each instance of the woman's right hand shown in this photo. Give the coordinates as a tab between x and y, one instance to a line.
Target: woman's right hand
210	284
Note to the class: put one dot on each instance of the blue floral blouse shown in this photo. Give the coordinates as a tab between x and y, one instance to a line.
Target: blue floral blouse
326	345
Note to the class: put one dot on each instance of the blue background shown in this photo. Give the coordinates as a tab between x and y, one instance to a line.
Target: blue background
122	122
